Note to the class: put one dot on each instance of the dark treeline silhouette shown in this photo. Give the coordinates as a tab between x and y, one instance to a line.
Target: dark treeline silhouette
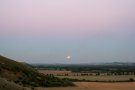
86	69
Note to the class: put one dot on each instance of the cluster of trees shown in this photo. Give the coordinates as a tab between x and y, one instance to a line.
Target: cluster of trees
123	69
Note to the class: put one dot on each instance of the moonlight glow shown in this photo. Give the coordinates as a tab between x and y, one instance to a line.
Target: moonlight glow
68	57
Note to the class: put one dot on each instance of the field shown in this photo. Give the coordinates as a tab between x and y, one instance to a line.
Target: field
54	72
93	85
96	86
101	78
61	74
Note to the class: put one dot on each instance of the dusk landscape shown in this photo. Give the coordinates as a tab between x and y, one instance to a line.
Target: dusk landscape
67	44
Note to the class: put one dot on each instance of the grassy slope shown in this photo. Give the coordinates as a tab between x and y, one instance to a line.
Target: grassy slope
6	85
27	76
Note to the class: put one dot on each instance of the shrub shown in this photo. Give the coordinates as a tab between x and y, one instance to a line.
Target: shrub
131	80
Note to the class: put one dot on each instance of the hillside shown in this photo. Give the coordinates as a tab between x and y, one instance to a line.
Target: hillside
7	85
27	76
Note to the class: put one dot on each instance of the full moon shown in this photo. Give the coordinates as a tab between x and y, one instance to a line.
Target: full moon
68	57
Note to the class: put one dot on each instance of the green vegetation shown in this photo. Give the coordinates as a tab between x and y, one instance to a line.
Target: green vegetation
7	85
113	78
110	68
131	80
27	76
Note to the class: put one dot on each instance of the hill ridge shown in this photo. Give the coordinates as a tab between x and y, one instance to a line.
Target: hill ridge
28	76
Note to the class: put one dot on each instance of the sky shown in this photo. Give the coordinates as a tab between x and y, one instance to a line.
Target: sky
51	31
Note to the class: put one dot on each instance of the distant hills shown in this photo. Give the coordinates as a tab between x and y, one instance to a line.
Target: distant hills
102	63
26	76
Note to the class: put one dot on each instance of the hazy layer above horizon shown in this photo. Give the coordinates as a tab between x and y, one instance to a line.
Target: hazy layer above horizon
68	31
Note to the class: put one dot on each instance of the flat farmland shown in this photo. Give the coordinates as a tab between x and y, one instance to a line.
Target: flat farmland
54	72
61	74
96	86
101	78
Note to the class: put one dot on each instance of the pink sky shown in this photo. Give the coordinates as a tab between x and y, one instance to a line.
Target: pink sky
68	20
66	16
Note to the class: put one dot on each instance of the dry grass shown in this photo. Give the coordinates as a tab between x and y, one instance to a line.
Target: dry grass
53	71
91	78
97	86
